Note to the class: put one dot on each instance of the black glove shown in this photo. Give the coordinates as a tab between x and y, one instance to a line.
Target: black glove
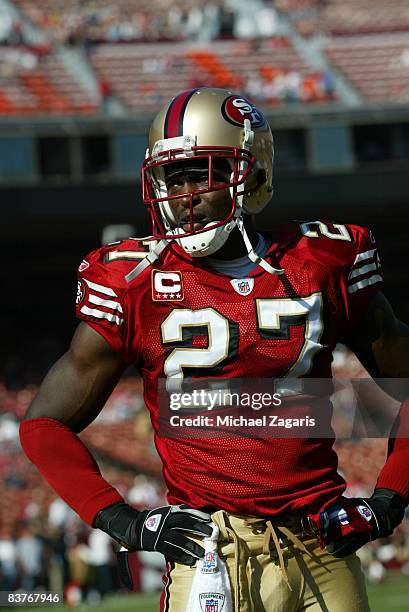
162	530
383	511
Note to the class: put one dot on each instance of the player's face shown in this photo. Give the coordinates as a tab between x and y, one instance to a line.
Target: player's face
207	207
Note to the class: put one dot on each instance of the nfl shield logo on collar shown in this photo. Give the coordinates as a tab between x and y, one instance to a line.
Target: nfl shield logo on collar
167	286
243	286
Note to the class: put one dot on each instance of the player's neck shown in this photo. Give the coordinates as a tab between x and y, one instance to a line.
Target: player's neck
234	247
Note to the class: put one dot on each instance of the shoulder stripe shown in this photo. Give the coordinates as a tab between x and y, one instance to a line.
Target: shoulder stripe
99	314
363	270
376	278
111	304
364	255
100	288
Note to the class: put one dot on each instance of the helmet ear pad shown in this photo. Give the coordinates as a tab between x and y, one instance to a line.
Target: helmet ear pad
257	191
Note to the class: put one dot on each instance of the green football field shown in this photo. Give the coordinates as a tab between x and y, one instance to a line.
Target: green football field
391	596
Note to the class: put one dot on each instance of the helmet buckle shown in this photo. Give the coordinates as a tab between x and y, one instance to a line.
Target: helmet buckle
188	143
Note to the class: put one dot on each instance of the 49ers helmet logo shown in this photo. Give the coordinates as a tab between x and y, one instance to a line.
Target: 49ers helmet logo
235	110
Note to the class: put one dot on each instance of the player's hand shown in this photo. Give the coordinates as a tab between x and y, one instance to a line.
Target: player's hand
164	530
383	512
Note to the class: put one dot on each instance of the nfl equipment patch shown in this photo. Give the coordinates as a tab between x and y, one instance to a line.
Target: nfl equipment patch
211	602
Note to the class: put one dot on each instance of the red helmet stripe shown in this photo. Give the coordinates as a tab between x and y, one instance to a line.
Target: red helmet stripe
176	112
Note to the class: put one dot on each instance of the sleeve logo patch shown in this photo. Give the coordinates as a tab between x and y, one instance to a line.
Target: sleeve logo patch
167	286
80	292
83	266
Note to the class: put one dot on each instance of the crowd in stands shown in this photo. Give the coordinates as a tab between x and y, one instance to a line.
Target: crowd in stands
275	85
78	21
145	77
187	52
88	21
346	17
10	29
34	81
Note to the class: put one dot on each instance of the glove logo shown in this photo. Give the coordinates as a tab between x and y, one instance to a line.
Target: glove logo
211	602
343	517
152	522
365	512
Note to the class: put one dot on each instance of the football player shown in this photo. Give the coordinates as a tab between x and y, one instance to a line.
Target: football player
209	295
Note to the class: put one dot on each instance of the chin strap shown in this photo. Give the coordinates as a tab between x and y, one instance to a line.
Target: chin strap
252	254
148	259
153	255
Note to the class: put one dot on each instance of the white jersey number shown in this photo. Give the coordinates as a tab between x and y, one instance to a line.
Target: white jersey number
315	229
274	318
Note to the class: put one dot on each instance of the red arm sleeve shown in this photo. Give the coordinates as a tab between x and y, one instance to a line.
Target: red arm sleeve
68	466
395	473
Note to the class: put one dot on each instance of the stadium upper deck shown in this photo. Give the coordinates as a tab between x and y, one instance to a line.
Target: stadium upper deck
80	57
346	17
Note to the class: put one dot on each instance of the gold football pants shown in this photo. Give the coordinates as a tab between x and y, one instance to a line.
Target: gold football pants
275	567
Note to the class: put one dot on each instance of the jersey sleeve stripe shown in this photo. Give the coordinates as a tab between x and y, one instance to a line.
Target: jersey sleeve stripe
364	255
100	288
362	270
376	278
99	314
111	304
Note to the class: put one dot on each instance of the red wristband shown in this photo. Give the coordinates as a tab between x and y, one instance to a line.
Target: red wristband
68	466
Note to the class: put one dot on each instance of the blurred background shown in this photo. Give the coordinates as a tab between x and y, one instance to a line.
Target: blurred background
80	81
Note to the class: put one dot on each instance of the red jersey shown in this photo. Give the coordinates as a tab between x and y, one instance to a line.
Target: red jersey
179	317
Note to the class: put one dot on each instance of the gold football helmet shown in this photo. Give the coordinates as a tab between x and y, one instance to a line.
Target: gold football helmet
215	126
